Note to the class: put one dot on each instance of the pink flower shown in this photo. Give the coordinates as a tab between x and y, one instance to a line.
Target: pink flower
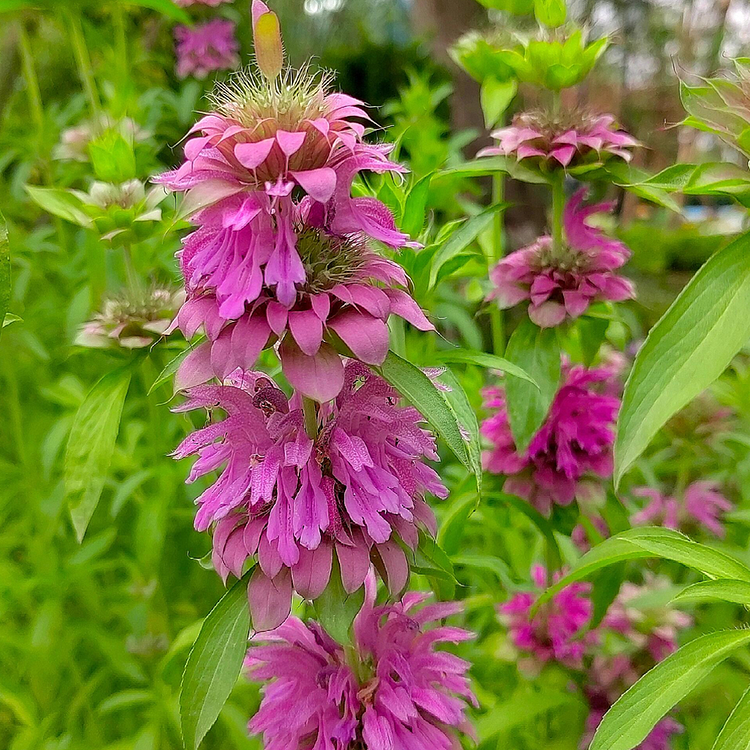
206	47
339	301
573	446
357	488
701	504
558	631
562	283
573	139
392	690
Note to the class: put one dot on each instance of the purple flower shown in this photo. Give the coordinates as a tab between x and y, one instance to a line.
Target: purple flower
339	301
701	505
357	488
571	449
570	140
392	690
562	283
558	631
206	47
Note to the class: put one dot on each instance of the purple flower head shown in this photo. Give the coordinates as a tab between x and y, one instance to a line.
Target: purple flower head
572	139
700	506
561	283
558	630
356	489
348	294
571	449
277	151
391	691
206	47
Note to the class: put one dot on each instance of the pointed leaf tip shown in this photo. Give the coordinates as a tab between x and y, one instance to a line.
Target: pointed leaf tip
269	49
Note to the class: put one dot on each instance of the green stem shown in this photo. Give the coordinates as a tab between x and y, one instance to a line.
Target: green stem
83	61
311	417
558	207
32	82
497	324
134	281
121	43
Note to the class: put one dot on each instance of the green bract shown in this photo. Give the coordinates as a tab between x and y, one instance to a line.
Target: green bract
555	64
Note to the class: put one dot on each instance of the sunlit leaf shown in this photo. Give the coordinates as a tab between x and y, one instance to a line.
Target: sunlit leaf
735	735
214	664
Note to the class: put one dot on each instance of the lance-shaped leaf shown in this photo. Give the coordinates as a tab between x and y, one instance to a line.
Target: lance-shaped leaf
735	735
686	350
637	712
723	590
91	445
214	664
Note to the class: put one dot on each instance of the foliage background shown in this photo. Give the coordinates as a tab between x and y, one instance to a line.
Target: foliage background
93	637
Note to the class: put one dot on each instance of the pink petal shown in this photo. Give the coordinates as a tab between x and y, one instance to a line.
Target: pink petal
252	155
354	562
319	184
320	377
365	335
270	600
313	571
404	305
307	330
195	369
290	143
396	565
249	338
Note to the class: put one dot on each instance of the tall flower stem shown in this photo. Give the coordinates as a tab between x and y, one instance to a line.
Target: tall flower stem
311	417
558	207
498	250
83	61
33	91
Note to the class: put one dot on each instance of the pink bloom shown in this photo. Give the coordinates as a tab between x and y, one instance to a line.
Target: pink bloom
206	47
575	139
701	505
573	446
339	301
357	488
558	631
392	691
580	535
562	283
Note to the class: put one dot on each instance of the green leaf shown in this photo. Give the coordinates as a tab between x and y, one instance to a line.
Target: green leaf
421	392
686	350
496	97
91	444
4	274
466	418
490	361
461	238
165	7
551	13
214	663
725	590
336	609
415	207
645	542
173	365
490	165
63	203
635	714
735	735
521	708
536	351
112	157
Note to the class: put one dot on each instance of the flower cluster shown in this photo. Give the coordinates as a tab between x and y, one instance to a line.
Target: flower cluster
558	632
392	690
282	251
701	505
206	47
293	500
569	452
567	140
562	282
605	661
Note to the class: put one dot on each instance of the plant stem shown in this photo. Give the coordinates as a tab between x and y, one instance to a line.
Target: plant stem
32	82
311	417
121	42
558	207
83	61
497	324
